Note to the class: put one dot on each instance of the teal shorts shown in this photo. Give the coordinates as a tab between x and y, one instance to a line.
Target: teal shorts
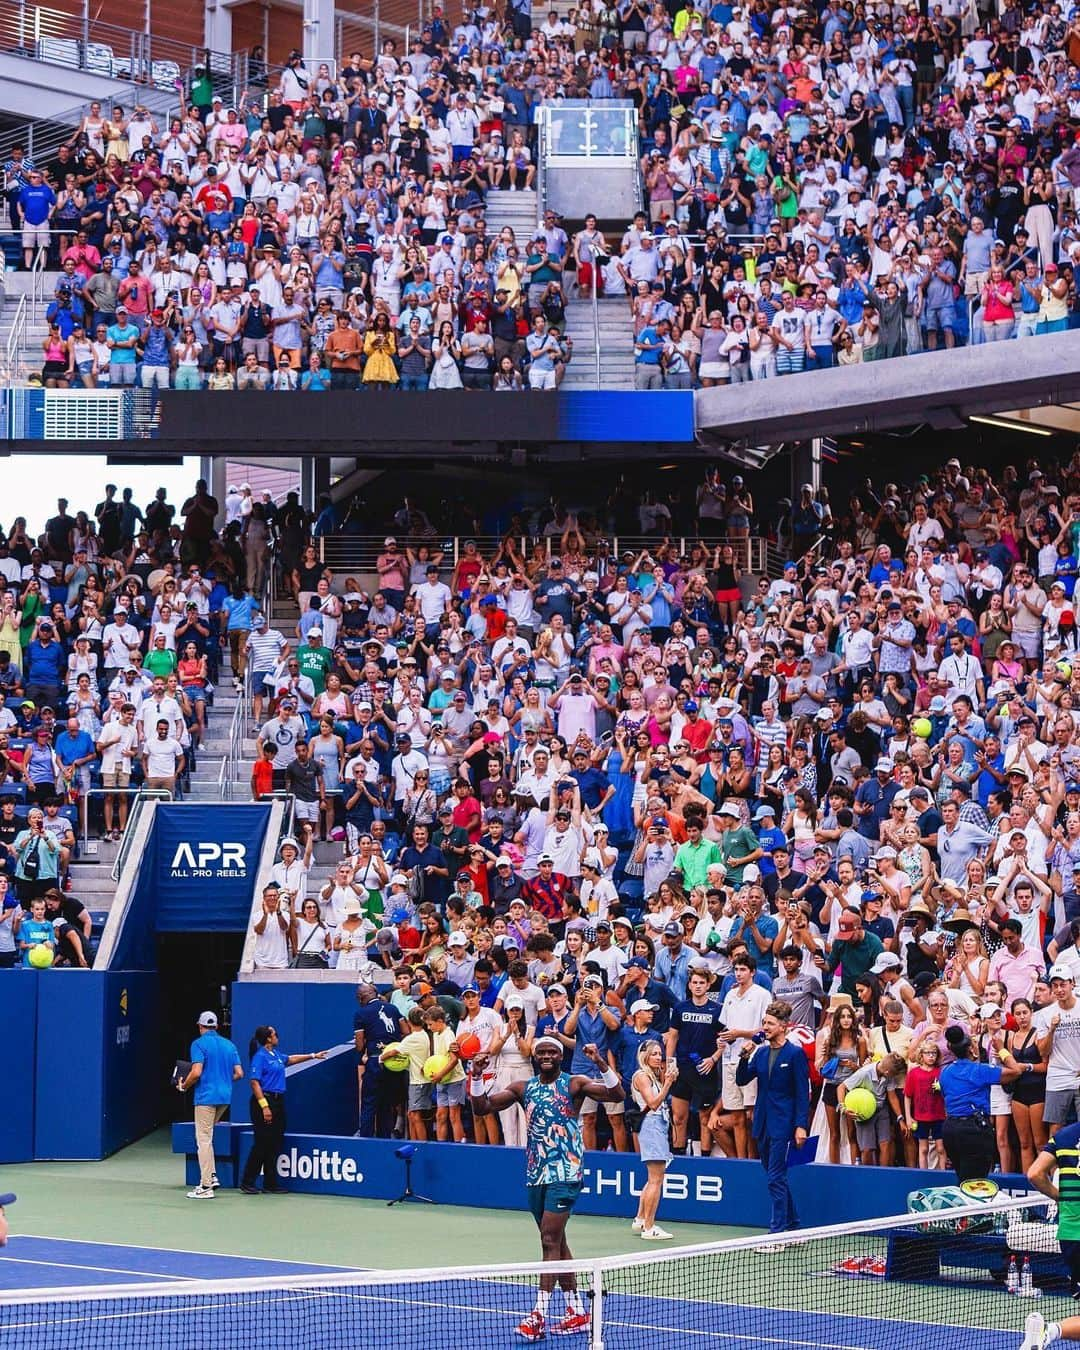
553	1197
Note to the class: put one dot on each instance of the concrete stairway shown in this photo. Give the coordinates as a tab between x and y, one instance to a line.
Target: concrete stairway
519	210
616	345
28	355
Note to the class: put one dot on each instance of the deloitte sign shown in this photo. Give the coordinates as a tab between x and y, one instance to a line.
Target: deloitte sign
319	1164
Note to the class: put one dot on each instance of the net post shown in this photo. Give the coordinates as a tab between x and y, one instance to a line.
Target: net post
596	1326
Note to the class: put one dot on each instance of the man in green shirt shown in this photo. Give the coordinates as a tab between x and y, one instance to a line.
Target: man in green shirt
159	660
854	951
694	858
315	660
739	845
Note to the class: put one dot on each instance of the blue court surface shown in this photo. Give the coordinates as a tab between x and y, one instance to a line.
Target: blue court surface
416	1315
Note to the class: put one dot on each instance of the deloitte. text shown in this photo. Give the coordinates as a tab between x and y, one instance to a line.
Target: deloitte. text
319	1165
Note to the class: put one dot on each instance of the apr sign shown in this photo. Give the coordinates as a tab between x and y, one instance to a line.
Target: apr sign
207	865
207	858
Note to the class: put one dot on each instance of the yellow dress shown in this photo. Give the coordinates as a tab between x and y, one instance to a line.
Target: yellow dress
379	349
10	641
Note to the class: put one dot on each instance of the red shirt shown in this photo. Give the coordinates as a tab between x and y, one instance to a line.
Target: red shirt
263	777
926	1104
464	811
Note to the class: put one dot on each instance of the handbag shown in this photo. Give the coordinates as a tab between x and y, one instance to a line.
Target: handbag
309	960
31	863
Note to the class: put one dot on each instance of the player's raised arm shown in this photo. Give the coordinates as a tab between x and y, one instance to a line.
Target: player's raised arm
488	1103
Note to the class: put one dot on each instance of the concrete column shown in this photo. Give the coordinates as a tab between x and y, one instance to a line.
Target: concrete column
314	480
805	466
217	26
319	32
218	485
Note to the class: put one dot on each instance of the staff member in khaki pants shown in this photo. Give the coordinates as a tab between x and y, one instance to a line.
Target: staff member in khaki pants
215	1066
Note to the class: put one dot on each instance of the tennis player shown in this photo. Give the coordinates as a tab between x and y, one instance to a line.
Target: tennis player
5	1200
1062	1155
554	1153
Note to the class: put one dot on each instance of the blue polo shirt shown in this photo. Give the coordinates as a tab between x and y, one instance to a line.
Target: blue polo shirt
966	1086
268	1067
219	1057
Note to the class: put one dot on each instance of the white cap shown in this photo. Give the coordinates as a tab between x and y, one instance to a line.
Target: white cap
314	631
389	540
592	859
457	940
642	1005
989	1010
503	861
208	1019
1061	972
351	906
514	1001
730	809
399	879
751	872
885	961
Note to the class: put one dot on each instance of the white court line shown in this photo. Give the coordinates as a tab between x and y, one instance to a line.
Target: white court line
11	1259
187	1251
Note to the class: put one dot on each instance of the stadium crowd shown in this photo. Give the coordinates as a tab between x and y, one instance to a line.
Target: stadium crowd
823	187
113	623
634	797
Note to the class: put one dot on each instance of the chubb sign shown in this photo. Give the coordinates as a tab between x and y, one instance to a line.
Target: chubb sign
208	858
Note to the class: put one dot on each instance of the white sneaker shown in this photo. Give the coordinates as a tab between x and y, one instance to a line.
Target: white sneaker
767	1248
655	1234
1034	1332
214	1183
201	1193
637	1225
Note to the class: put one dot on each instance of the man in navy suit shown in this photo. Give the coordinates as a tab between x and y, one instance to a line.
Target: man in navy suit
782	1111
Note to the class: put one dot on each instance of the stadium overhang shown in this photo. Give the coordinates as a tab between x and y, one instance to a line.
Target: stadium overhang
1030	384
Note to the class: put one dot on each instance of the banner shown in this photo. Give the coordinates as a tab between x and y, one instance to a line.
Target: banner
207	862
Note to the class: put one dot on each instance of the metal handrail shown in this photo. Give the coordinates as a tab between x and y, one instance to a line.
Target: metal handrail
16	332
141	795
358	553
224	780
596	319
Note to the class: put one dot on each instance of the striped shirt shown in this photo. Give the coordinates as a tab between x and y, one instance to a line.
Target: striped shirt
265	646
1065	1146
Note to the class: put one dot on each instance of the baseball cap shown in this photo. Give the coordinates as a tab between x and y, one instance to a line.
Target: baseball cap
673	930
885	961
637	963
643	1005
208	1019
1058	972
457	940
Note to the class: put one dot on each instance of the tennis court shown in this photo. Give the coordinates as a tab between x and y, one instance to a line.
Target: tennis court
81	1296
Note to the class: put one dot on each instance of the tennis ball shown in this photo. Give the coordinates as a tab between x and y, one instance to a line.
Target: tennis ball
397	1060
861	1103
435	1064
41	957
922	727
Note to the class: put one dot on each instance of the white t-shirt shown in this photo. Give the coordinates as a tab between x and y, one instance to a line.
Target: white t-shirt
1063	1070
271	947
115	738
743	1012
161	756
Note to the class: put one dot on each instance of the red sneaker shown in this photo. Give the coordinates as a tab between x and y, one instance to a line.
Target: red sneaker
532	1327
571	1323
875	1266
854	1265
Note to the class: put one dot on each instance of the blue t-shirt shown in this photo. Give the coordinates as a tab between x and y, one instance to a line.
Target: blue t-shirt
697	1025
240	612
70	748
591	1031
966	1086
770	839
122	356
43	662
35	931
219	1057
268	1067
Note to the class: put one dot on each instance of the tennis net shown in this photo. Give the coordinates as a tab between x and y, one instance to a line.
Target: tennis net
915	1282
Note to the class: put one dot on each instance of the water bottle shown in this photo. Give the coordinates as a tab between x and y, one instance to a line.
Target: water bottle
1012	1280
1027	1286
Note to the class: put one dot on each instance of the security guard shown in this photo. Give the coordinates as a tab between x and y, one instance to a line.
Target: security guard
968	1131
382	1093
267	1071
